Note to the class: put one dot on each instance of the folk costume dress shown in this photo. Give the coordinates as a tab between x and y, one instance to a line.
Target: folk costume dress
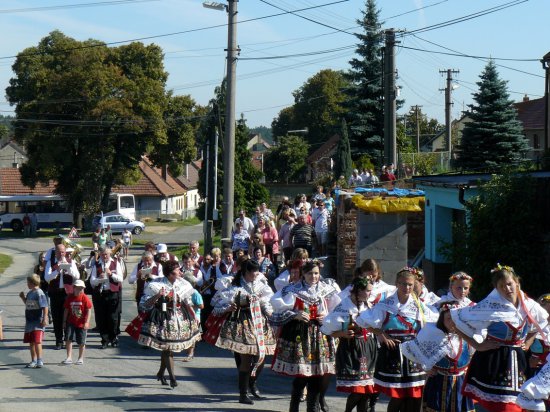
536	391
380	291
356	357
448	355
175	329
494	377
247	330
394	375
302	349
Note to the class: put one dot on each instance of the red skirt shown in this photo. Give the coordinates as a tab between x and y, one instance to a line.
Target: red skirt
213	327
414	392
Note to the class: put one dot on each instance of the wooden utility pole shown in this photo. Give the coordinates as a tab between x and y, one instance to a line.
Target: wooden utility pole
390	141
448	105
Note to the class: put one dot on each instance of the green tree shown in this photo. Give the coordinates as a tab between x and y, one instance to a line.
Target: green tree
287	160
365	107
504	226
4	132
494	137
95	111
182	118
318	105
249	192
343	164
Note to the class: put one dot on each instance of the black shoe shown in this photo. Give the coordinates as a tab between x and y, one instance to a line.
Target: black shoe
104	345
114	343
243	398
323	404
162	379
254	391
173	383
58	346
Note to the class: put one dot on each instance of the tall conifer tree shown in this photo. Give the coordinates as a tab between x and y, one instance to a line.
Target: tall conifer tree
366	96
494	138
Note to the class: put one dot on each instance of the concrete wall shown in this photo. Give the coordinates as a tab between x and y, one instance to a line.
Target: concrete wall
383	237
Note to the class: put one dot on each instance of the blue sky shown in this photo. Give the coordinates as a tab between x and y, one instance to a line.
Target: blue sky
196	61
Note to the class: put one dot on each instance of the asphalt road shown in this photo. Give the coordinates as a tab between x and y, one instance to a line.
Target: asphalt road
120	378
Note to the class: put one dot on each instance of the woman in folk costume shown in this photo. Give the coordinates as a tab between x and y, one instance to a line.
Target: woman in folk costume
394	320
420	289
508	317
244	329
539	348
445	356
356	353
535	393
303	351
370	269
459	289
167	322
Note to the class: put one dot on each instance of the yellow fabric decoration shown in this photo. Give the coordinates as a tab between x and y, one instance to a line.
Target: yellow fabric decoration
380	204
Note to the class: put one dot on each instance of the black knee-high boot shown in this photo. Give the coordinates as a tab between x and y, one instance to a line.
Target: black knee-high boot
244	378
372	402
352	401
252	383
298	386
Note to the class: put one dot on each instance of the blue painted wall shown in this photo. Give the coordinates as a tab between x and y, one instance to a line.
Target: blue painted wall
440	202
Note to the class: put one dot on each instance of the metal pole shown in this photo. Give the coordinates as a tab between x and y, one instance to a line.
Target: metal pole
229	143
205	221
215	206
448	105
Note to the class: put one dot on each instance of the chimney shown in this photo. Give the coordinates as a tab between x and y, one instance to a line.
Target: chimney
165	172
525	98
15	163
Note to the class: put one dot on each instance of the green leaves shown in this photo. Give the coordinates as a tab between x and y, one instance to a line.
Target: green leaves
286	162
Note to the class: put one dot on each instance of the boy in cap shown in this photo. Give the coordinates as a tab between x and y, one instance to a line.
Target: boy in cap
76	321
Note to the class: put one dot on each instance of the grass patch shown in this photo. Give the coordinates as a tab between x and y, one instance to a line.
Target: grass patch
192	221
5	262
178	251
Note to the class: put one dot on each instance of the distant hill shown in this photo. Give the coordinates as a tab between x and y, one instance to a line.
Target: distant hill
265	132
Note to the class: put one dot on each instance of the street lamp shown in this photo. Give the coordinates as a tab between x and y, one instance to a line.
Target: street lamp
546	66
229	138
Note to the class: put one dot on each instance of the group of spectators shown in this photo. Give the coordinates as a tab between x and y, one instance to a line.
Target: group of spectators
302	223
367	177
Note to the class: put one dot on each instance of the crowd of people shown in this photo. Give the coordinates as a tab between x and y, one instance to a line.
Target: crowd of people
265	296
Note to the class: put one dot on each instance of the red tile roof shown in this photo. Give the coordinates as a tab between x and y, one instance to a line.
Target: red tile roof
531	113
10	184
190	178
326	149
151	183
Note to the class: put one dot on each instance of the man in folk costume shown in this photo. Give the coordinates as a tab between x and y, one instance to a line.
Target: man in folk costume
194	255
106	279
163	255
61	272
146	270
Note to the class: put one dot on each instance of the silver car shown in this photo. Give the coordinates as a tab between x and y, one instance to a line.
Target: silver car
118	223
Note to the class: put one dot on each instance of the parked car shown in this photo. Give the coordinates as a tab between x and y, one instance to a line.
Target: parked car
118	223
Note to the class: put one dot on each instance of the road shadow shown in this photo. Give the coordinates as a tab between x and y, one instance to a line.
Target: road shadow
82	384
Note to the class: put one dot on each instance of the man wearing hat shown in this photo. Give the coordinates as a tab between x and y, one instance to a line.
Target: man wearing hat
76	321
163	255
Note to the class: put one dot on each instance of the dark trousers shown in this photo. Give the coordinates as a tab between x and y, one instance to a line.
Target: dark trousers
107	312
207	299
57	302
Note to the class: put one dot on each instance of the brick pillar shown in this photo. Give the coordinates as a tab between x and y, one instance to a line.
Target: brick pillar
347	234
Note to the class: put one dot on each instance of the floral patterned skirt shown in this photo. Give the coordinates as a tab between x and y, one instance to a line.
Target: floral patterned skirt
302	350
237	334
174	331
355	361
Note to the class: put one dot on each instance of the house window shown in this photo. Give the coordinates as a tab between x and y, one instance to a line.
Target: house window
536	141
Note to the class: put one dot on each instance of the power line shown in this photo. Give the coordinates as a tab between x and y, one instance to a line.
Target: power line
466	17
102	44
74	6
